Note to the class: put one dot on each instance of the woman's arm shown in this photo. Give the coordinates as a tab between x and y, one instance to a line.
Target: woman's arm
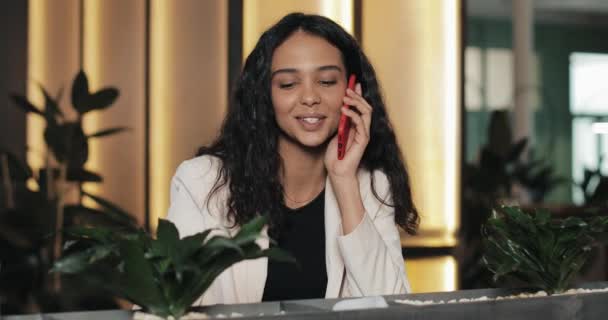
370	245
188	211
184	211
350	203
372	250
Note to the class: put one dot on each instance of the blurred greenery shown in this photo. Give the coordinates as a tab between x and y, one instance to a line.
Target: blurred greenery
537	249
594	186
32	212
502	175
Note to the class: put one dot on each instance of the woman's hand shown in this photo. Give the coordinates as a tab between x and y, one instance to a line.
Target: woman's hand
343	173
358	137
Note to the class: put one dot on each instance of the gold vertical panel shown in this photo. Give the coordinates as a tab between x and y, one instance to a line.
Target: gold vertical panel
114	40
53	43
415	48
432	274
188	86
258	15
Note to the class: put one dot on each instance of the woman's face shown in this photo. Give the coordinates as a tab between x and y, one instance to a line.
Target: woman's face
308	83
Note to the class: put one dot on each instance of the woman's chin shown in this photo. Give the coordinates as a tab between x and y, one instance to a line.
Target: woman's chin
315	142
310	142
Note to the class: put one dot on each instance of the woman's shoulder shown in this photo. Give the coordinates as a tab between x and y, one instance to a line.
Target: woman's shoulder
198	175
199	167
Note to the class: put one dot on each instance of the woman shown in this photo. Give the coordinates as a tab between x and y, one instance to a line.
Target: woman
277	155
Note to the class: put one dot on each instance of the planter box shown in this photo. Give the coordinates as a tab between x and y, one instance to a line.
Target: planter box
590	306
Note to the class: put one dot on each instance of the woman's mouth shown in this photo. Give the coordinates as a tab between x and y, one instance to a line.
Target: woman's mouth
311	123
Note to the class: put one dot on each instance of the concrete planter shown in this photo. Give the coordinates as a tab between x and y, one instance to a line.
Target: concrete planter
588	306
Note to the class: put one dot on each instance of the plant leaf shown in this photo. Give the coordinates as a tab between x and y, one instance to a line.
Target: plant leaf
80	92
167	232
121	214
516	150
102	99
19	170
190	244
167	237
79	261
83	175
217	244
50	104
107	132
98	234
99	218
279	255
25	104
250	231
139	279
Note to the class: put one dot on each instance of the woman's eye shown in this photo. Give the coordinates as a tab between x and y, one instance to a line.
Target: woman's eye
286	85
328	82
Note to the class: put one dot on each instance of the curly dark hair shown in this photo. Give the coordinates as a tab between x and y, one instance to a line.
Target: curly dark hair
248	141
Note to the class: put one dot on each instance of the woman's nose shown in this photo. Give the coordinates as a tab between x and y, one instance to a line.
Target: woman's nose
310	96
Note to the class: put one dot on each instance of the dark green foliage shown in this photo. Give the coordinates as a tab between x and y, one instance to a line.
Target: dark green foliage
595	186
166	275
85	101
66	138
30	218
540	251
491	182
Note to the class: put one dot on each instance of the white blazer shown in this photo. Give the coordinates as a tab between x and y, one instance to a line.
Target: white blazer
368	261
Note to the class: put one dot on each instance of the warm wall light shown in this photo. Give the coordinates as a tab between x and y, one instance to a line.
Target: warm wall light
92	50
415	48
451	108
111	27
36	72
53	44
258	15
341	11
188	87
161	52
432	274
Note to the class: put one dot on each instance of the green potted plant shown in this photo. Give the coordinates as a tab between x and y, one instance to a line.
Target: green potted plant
538	250
491	182
163	275
30	216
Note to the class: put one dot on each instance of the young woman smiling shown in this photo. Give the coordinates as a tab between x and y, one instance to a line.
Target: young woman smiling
276	155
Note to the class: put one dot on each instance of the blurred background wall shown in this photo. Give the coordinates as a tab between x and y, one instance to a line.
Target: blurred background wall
446	67
13	72
174	62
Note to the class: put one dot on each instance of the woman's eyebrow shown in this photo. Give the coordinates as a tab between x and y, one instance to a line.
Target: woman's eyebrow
294	70
286	70
329	67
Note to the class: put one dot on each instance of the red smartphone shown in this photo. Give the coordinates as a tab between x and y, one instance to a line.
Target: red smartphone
344	125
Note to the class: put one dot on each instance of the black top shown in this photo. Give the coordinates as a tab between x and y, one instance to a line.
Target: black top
303	236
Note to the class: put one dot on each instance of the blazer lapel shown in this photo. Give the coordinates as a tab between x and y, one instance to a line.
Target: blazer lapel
333	227
254	274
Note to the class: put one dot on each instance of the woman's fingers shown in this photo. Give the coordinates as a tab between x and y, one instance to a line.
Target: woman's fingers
360	125
352	97
362	108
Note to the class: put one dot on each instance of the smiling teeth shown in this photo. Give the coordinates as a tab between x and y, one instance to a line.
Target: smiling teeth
311	120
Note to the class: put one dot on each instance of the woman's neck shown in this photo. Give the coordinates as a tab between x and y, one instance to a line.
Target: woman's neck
303	172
